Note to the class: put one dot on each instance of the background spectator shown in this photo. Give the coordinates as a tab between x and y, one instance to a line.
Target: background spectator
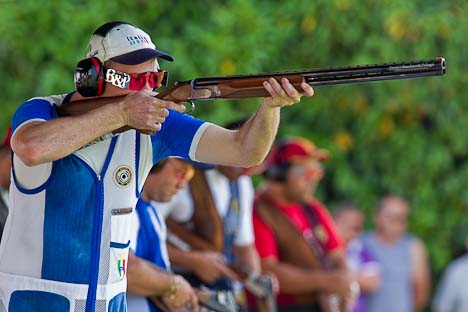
403	259
349	221
452	292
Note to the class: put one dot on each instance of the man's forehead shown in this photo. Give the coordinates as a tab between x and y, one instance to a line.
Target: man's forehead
395	205
149	65
180	163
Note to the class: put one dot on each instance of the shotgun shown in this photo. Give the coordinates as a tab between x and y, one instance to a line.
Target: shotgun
251	86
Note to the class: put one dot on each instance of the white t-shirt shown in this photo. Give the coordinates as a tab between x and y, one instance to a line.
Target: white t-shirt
181	207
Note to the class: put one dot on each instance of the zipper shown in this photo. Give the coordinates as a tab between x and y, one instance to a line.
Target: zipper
97	230
96	246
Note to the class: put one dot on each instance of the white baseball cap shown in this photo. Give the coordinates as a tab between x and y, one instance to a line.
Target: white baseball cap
123	43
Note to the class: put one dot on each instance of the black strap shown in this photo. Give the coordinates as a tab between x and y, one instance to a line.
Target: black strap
313	221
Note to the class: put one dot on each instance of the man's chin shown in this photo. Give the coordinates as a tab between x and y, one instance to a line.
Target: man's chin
165	199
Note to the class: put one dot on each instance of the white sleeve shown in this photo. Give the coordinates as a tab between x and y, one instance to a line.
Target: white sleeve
245	235
33	177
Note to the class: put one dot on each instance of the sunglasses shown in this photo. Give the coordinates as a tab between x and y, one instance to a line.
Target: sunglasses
136	82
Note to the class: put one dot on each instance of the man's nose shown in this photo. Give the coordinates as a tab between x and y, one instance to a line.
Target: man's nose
147	85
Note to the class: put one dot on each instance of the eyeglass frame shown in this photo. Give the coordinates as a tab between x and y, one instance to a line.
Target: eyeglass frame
122	80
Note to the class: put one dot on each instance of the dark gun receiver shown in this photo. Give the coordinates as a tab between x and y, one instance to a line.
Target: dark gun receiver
251	86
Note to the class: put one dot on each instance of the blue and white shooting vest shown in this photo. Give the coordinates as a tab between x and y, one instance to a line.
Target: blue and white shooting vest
65	244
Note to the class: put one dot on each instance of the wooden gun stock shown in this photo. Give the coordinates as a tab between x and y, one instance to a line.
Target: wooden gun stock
251	86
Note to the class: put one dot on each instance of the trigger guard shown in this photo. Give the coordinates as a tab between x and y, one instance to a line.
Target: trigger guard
192	107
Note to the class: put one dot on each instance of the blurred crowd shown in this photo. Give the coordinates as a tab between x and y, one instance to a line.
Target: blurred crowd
228	245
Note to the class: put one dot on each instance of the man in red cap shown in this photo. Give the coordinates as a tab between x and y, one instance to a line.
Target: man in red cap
294	233
5	174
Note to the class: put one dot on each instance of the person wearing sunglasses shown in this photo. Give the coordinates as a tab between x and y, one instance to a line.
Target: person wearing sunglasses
295	235
75	183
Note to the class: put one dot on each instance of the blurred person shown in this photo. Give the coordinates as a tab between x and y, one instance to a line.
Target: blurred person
74	178
5	177
405	277
213	215
350	221
295	235
452	292
151	284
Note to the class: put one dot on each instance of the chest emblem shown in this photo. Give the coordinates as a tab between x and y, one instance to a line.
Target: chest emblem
123	176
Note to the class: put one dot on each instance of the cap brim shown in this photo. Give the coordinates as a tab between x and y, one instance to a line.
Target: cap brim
141	56
318	155
201	165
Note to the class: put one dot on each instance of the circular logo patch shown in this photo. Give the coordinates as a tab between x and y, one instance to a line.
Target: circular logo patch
123	176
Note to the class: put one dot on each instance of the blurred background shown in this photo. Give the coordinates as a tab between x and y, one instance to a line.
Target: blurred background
407	137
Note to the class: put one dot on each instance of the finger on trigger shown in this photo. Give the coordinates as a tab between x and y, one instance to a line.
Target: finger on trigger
175	106
165	113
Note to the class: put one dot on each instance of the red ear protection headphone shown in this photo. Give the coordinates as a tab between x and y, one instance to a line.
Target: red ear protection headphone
90	72
277	171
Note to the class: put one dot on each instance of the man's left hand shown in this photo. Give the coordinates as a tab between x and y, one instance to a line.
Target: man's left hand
284	93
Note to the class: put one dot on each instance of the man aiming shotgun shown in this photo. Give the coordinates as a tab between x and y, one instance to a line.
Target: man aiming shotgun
76	198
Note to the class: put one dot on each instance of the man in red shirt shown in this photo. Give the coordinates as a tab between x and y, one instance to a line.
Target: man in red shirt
295	235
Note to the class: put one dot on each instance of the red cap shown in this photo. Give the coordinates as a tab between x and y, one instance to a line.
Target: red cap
6	141
296	150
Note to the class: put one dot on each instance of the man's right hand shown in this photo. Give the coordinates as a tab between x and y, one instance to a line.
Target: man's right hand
142	110
209	266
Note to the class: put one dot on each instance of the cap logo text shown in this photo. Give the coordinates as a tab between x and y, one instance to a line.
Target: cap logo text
135	40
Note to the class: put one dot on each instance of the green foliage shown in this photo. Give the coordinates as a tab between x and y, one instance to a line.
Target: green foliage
404	137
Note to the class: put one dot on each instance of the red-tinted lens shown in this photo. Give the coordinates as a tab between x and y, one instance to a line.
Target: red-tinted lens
137	81
154	79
